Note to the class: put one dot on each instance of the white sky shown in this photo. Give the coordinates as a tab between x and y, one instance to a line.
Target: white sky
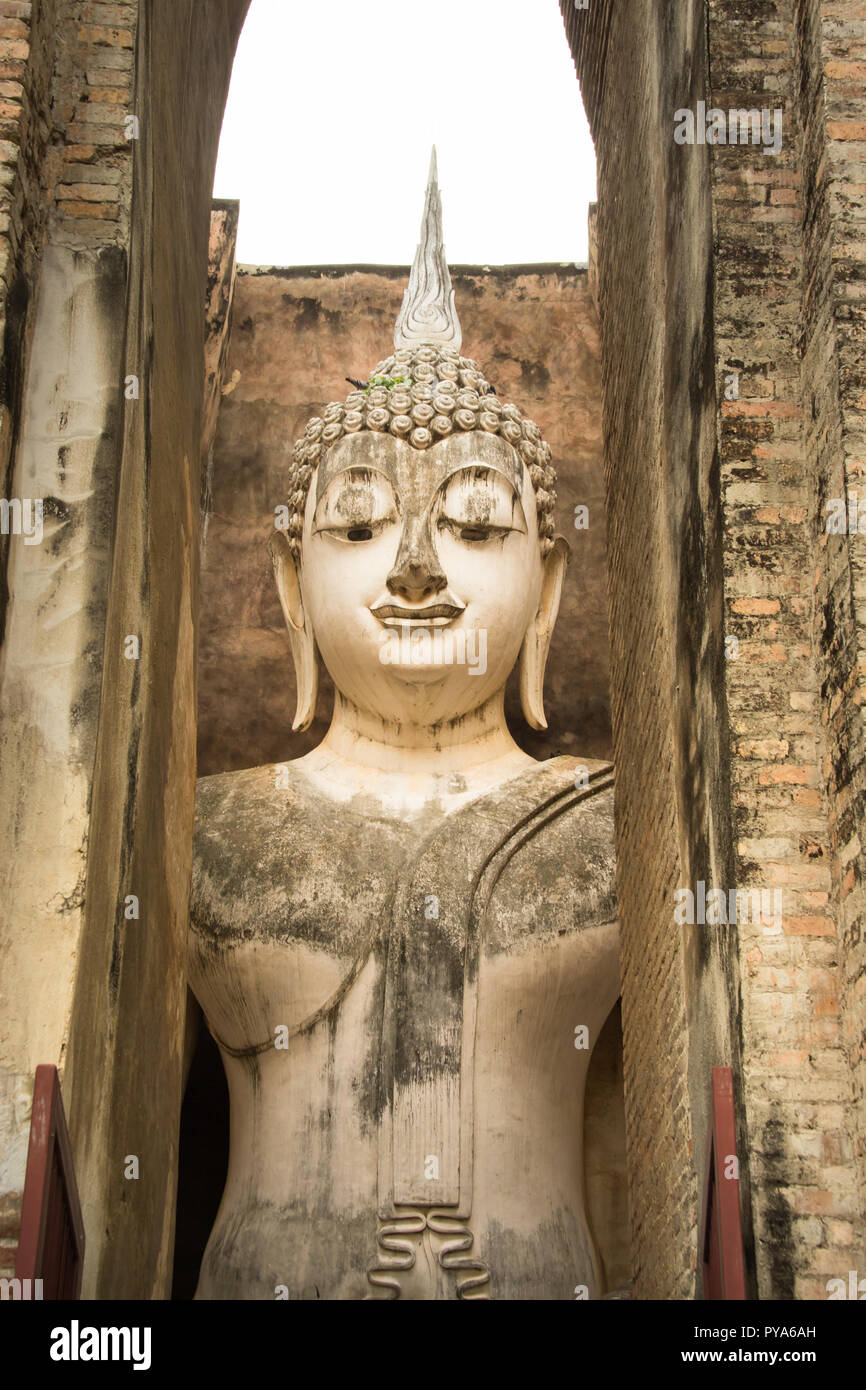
334	107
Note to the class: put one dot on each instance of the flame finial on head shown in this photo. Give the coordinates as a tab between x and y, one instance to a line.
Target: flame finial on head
428	313
425	390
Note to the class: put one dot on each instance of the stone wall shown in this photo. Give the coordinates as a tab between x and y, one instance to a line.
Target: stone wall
745	771
798	1081
125	1055
98	756
740	662
62	405
665	582
27	49
295	336
831	56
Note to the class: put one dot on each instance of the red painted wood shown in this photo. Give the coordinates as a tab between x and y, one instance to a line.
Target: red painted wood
721	1230
51	1240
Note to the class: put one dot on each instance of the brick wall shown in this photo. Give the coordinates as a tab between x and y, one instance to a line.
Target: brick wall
92	166
66	70
28	35
784	300
797	1081
667	690
831	64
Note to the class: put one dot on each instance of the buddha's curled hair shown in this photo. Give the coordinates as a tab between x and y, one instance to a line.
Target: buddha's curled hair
425	393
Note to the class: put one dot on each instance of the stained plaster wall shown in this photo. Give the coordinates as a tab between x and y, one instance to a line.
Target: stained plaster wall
105	809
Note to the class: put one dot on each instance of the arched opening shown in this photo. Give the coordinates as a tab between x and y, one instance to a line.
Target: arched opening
668	457
296	332
717	267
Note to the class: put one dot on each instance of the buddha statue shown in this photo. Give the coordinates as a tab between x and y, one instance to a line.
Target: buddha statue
403	940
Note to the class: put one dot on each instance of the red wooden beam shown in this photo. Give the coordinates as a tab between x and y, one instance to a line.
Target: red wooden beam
51	1240
721	1228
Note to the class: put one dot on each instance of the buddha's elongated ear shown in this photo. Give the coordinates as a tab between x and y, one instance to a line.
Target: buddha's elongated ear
536	643
301	635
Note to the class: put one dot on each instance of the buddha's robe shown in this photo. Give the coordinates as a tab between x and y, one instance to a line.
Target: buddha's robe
399	1006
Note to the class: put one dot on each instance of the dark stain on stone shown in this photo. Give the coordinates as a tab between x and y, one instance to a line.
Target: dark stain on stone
564	270
469	285
85	707
53	506
12	362
778	1221
75	899
136	685
126	843
828	626
310	311
369	1089
255	1072
534	376
547	1263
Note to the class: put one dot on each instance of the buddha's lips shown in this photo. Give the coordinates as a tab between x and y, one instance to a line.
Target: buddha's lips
435	614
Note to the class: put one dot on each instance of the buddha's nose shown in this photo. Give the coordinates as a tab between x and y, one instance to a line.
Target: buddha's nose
416	571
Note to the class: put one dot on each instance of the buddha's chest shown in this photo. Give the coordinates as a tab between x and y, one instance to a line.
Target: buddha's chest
406	1018
292	901
334	1137
275	961
349	1110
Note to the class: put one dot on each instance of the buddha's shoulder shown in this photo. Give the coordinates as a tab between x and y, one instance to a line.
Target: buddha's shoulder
588	784
271	815
270	790
569	789
567	866
233	809
273	855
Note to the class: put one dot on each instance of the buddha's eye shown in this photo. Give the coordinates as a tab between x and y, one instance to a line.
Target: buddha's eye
357	532
356	507
474	533
478	505
471	532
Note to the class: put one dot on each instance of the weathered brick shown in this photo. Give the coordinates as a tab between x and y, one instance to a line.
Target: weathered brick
12	28
92	192
107	211
108	96
96	34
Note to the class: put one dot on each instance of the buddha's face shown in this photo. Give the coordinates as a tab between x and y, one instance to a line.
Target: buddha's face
421	571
